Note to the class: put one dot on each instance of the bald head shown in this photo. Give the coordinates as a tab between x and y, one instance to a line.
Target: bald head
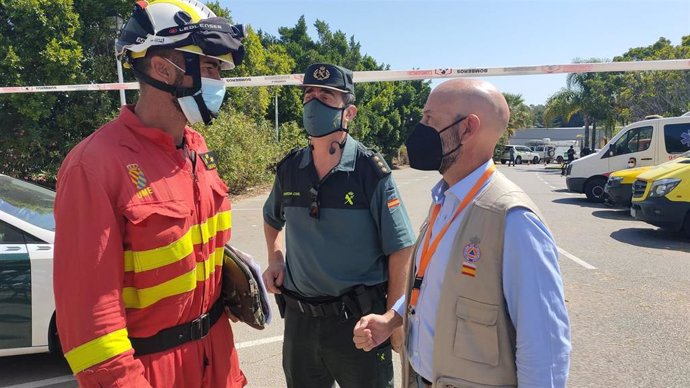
485	115
470	96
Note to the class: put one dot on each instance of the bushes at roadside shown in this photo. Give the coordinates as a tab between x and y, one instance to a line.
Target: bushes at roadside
247	148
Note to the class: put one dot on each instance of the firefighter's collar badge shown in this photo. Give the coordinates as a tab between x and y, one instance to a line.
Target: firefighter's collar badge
210	160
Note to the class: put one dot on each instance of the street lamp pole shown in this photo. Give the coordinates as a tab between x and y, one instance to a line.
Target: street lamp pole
276	116
120	77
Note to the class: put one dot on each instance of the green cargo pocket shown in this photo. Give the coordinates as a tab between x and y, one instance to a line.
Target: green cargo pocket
476	333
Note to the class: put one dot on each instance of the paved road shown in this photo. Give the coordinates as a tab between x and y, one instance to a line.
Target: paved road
627	289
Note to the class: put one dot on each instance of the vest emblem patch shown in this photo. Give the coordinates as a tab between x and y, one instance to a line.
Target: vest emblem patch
472	253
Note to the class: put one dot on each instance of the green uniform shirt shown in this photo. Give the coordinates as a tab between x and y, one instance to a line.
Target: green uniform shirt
361	221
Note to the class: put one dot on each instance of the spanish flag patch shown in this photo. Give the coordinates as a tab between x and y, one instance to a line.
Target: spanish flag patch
392	203
469	269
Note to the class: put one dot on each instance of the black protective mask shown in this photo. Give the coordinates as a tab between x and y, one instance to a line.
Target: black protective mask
425	148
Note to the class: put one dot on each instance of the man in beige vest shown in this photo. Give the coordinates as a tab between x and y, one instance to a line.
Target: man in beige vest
484	306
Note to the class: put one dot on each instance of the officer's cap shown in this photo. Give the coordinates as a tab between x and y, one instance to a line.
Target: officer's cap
324	75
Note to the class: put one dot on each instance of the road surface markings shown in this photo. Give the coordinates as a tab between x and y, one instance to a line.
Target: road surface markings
65	379
43	383
262	341
576	259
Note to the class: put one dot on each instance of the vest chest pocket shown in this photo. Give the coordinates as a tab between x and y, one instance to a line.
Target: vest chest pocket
476	333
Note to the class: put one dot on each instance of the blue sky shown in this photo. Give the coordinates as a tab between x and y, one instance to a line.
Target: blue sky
408	34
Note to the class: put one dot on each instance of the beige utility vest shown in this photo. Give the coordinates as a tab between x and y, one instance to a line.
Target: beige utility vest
474	341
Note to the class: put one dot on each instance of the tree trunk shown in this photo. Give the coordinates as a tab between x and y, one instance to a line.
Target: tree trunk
594	135
586	132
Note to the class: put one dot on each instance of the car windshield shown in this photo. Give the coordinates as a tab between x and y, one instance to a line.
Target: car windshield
27	202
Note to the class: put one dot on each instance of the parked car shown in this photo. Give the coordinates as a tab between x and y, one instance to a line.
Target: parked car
561	154
522	154
618	187
546	153
661	196
644	143
27	232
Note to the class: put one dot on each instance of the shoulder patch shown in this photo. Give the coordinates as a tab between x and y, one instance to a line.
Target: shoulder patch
287	156
380	166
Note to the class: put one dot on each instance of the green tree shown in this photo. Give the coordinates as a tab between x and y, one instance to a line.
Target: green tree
387	111
521	117
53	42
654	92
585	94
51	56
538	114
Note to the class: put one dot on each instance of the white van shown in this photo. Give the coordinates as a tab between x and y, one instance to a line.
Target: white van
644	143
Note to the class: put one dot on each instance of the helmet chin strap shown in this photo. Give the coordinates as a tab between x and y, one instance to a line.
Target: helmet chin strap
192	69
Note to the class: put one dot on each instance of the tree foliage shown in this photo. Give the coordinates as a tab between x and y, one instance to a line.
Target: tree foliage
387	112
521	116
611	99
49	42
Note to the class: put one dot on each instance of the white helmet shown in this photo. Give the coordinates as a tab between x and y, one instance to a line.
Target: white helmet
191	27
184	25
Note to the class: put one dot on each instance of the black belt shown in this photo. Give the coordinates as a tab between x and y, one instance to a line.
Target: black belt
180	334
357	302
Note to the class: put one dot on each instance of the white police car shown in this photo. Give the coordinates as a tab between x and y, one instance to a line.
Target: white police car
27	231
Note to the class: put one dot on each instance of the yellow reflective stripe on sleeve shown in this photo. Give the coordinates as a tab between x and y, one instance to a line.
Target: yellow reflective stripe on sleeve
98	350
140	261
144	297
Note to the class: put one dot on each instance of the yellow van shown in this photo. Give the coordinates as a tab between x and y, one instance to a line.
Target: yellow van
661	196
618	187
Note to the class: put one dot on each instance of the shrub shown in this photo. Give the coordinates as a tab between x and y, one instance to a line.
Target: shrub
245	148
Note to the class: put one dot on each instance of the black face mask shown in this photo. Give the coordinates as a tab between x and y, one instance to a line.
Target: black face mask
425	148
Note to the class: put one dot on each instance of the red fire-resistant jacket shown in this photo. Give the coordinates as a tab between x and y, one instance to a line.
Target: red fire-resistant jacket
139	238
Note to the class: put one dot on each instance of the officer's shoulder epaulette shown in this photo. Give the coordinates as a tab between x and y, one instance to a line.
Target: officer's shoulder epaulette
288	156
377	162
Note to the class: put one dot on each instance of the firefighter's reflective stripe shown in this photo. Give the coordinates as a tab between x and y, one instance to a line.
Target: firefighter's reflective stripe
98	350
140	261
144	297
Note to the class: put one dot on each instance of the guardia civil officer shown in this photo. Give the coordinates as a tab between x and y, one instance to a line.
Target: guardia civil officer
347	242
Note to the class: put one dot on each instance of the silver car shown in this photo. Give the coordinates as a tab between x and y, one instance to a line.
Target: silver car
522	154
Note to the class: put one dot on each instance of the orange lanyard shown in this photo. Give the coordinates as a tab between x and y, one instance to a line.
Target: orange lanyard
428	251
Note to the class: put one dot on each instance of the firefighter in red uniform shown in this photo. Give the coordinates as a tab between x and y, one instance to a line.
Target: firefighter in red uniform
142	216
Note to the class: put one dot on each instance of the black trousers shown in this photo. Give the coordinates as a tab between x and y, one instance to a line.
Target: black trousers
319	351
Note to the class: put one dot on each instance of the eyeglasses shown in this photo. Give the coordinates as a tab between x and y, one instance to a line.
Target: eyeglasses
314	206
